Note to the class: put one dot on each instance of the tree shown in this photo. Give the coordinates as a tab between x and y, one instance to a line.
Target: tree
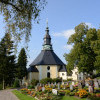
18	15
82	52
21	64
96	47
7	60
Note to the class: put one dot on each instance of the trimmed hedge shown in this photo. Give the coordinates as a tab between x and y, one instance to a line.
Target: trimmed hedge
46	80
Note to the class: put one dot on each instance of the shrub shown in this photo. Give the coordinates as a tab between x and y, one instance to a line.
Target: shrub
70	79
72	93
16	83
61	92
1	87
67	92
34	83
57	80
93	97
46	80
30	87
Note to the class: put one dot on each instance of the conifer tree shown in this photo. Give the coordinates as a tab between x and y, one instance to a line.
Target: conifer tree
7	60
21	64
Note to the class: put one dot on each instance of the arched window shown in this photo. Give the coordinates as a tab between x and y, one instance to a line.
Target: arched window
48	67
48	75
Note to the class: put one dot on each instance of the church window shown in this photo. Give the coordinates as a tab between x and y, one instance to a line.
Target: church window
62	74
48	75
48	67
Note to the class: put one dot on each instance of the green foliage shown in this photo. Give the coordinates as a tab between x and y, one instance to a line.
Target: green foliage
85	53
21	64
34	82
16	83
72	93
67	92
57	80
18	15
30	87
46	80
70	79
7	60
1	87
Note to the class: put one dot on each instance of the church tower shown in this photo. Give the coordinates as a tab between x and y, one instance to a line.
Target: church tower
47	63
47	40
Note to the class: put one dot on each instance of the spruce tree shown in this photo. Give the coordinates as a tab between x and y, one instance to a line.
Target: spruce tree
21	64
7	60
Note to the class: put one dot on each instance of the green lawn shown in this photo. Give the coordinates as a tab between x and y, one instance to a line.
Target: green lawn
71	98
22	96
26	97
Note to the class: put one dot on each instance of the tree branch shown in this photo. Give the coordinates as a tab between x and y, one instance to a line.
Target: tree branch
8	3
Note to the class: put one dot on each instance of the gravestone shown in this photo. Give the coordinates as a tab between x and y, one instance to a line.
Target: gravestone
99	82
79	85
67	83
90	89
54	91
62	83
36	88
64	87
96	85
71	87
55	83
73	83
40	84
58	86
87	84
49	84
43	88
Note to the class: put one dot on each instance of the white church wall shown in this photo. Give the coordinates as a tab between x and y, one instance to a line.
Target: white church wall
63	75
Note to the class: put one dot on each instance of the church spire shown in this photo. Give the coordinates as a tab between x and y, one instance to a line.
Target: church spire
47	40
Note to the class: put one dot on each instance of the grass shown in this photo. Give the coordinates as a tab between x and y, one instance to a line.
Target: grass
26	97
71	98
22	96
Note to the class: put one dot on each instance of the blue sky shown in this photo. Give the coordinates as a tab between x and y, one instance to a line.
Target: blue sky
63	16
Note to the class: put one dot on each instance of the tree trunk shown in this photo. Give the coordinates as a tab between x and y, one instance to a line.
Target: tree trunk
3	83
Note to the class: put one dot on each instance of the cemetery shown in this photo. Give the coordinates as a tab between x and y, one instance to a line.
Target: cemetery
86	89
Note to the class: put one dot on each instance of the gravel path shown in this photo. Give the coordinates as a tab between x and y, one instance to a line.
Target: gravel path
7	95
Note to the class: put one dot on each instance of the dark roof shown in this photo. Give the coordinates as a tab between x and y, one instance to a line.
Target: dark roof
32	69
63	69
47	57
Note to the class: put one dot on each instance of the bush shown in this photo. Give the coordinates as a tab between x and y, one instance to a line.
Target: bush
1	86
70	79
30	87
34	82
57	80
46	80
72	93
67	92
16	83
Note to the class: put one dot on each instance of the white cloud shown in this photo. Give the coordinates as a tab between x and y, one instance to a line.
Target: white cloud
66	33
89	25
68	47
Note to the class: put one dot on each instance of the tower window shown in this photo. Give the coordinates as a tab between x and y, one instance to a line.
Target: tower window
48	75
48	67
62	74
